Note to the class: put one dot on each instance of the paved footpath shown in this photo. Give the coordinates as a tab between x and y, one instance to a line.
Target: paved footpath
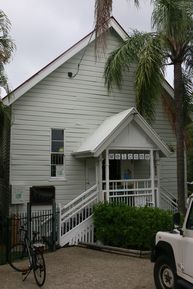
80	268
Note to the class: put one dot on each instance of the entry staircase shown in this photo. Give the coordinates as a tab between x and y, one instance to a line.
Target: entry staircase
75	218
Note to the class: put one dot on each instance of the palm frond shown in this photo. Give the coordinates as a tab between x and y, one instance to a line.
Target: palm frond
149	76
188	97
121	58
172	17
7	45
189	59
4	115
5	24
3	78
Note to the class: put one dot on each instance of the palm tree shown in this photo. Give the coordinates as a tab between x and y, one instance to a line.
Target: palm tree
171	43
103	9
6	49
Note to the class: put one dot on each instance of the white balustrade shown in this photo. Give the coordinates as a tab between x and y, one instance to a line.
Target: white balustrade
76	218
133	192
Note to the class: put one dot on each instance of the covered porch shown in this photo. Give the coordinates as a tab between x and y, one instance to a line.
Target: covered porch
131	177
123	156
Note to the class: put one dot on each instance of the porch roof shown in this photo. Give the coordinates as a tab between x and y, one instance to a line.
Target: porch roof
112	126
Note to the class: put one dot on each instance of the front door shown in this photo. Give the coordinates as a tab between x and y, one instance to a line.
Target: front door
90	172
114	170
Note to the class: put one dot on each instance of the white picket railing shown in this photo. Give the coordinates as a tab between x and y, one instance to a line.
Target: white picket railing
133	192
75	220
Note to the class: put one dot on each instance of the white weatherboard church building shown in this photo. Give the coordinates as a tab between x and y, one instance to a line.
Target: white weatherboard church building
73	141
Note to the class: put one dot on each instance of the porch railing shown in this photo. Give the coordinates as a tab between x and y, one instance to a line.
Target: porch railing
76	218
169	201
133	192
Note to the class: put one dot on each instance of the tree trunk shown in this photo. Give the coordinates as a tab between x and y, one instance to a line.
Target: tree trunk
179	125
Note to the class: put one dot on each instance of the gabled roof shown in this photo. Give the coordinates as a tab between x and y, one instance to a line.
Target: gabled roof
45	71
103	136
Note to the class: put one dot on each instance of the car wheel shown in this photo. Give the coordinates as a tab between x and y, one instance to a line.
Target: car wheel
164	274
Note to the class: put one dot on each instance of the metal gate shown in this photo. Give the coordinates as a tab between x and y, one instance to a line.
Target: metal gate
45	222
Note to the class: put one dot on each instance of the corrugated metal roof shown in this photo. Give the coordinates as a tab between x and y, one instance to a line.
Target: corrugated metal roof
110	128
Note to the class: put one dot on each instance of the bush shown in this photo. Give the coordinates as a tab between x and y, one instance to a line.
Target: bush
129	227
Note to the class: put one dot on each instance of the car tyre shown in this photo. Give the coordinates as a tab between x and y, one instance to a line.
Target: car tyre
165	274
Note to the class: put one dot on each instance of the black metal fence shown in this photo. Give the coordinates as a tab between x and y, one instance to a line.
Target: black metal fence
45	222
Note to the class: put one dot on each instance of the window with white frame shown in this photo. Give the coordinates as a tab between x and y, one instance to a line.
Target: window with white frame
57	153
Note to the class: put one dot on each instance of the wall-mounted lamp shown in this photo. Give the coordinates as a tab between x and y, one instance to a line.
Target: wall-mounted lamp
70	74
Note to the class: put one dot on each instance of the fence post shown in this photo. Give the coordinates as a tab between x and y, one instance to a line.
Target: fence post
59	223
53	225
7	232
29	220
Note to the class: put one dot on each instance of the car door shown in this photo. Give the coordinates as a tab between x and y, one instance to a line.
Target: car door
187	243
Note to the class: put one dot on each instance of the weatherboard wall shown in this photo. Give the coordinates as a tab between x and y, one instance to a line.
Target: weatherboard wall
78	105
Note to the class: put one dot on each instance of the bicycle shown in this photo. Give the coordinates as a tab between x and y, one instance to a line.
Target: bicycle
26	256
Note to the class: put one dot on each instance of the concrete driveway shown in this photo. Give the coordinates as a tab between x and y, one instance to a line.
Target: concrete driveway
80	268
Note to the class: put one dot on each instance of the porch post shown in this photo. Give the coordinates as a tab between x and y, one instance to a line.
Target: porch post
152	176
99	179
107	174
158	179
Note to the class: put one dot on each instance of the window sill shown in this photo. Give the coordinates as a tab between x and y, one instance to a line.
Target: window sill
54	179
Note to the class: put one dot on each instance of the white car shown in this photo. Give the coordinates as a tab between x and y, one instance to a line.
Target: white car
173	254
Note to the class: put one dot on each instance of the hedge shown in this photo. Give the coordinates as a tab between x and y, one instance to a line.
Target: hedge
129	227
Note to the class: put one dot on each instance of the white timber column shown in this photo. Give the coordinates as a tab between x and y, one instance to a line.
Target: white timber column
158	179
97	177
152	176
100	180
107	174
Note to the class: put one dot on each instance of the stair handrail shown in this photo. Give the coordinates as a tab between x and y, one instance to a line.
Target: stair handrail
77	208
81	196
169	198
72	215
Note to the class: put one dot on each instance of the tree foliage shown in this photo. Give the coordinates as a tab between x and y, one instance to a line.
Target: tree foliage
7	48
170	43
123	226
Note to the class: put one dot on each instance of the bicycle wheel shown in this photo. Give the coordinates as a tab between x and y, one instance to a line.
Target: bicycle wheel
39	268
18	257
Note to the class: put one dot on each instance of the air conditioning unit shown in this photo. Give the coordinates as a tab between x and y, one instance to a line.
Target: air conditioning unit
17	194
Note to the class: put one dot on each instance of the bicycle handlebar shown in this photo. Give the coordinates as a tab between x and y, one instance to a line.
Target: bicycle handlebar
34	233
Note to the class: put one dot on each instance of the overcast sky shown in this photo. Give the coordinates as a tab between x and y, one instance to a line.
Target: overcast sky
43	29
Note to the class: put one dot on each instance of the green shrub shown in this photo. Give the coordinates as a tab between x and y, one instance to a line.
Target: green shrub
129	227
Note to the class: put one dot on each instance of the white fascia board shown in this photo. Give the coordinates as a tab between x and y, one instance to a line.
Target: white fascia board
152	134
168	88
84	154
116	26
